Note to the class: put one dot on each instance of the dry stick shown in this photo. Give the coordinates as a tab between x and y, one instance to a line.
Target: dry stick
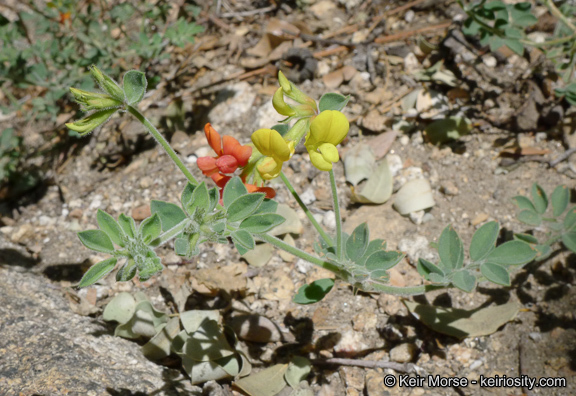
249	13
400	367
330	51
563	157
409	33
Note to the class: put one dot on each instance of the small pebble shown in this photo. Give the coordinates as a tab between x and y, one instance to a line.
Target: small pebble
403	353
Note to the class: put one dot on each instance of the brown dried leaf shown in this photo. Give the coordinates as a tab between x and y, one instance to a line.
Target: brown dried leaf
229	278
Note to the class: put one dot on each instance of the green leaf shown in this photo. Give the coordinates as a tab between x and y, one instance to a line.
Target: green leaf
181	246
484	240
570	219
513	33
243	238
446	129
151	228
200	199
539	198
495	43
543	252
267	206
96	240
169	214
526	238
384	260
358	242
120	308
569	240
234	189
244	206
110	227
134	86
214	195
282	129
260	223
495	5
515	45
524	20
512	253
298	370
471	27
450	249
524	203
314	292
268	382
186	195
425	268
97	272
463	323
464	281
495	273
127	271
530	217
333	101
560	199
127	224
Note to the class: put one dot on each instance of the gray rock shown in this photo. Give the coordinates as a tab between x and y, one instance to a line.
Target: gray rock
47	349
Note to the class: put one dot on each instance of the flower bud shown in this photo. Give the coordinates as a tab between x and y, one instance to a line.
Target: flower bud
93	121
284	83
107	84
94	101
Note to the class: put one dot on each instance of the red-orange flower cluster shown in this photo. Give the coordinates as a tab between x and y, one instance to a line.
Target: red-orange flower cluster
230	155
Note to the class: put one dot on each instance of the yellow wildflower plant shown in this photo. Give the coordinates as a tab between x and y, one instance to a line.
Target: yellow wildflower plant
275	149
327	131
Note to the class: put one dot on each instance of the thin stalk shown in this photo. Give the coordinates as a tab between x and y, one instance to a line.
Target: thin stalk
558	14
318	227
280	244
339	247
172	232
160	139
402	291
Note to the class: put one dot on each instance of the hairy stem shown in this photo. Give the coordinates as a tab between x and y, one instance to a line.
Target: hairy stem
280	244
165	145
318	227
339	247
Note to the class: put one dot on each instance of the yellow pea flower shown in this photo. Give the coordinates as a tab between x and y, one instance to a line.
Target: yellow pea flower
271	144
327	130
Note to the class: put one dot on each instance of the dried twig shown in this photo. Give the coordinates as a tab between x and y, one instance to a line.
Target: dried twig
400	367
249	13
563	157
410	33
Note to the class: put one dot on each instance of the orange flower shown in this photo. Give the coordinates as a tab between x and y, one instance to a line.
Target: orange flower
230	154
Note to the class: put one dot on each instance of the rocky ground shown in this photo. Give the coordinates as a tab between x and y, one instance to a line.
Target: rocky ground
54	340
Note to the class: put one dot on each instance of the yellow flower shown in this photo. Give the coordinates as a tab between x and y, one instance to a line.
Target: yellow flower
271	144
280	105
327	130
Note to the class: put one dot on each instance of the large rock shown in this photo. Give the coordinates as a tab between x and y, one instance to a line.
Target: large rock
47	349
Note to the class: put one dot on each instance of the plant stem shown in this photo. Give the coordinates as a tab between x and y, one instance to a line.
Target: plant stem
160	139
400	291
339	247
318	227
172	232
558	14
280	244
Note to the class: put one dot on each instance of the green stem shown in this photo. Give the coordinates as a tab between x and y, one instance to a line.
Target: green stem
401	291
552	240
318	227
280	244
160	139
171	233
339	247
558	14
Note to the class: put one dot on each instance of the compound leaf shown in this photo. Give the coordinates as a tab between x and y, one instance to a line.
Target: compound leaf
96	240
495	273
314	292
450	249
484	240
